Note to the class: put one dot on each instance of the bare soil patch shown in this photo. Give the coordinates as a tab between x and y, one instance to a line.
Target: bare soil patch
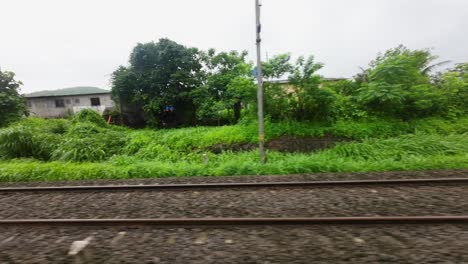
288	144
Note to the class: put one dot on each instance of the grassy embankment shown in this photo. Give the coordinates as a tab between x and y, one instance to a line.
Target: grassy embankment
36	149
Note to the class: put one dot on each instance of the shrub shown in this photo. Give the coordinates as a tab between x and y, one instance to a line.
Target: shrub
22	142
54	126
88	142
89	115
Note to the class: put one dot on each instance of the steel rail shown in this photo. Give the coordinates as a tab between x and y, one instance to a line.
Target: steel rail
238	221
237	185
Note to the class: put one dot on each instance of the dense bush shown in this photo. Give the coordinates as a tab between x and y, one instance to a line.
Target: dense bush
89	142
54	126
91	116
60	139
302	98
24	142
210	88
398	84
12	104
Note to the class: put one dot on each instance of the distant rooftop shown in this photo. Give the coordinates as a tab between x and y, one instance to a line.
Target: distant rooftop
79	90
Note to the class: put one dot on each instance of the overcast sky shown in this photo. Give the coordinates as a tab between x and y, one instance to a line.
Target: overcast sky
52	44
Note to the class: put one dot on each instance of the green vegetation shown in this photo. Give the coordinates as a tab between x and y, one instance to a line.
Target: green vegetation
37	149
88	115
395	115
12	105
169	85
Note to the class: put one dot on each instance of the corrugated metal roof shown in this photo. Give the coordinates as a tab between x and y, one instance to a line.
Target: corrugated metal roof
79	90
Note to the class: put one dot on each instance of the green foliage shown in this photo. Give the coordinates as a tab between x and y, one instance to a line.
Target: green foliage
301	99
53	126
12	104
60	139
32	138
411	152
169	85
345	88
404	146
454	89
228	86
278	66
89	142
347	108
160	74
440	126
91	116
398	85
24	142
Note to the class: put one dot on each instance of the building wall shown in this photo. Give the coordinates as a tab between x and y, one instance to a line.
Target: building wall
45	106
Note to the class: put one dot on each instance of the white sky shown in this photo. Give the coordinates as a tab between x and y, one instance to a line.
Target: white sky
52	44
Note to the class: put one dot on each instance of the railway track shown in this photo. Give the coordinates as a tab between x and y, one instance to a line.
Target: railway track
369	198
240	221
222	221
393	220
156	187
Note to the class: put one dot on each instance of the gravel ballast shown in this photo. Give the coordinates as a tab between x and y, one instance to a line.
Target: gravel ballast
286	244
404	243
255	202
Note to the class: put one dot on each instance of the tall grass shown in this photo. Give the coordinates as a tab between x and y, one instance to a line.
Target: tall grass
23	142
401	147
88	142
64	149
415	152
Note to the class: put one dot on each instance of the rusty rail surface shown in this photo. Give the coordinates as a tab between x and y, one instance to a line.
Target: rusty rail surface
150	187
239	221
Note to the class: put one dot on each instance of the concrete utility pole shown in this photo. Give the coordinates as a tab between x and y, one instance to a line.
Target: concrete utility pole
261	135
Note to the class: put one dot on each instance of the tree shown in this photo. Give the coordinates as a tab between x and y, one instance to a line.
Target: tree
398	84
12	104
301	98
310	101
277	67
160	79
228	85
277	96
454	85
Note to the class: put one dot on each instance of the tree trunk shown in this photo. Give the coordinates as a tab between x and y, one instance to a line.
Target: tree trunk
237	111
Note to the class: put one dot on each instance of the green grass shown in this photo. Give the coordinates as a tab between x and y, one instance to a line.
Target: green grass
37	149
412	152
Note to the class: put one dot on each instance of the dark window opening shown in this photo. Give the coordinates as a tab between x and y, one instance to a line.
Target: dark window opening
59	103
67	101
95	101
77	101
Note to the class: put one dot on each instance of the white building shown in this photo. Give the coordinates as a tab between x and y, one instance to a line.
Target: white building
63	102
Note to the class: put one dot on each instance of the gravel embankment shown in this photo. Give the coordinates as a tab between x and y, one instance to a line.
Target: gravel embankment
261	202
286	244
